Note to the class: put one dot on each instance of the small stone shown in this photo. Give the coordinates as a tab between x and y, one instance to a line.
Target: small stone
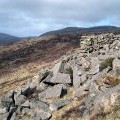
40	105
82	92
41	115
116	63
58	104
59	67
41	86
3	110
20	99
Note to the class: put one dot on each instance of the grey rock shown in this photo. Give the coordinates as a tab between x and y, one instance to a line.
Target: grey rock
95	54
36	80
117	71
11	115
81	92
95	70
26	103
25	111
53	92
20	99
95	63
28	91
3	110
59	67
7	102
108	99
60	78
106	47
58	104
41	86
3	116
82	110
90	98
83	79
41	115
48	78
104	57
116	63
40	105
100	74
24	108
77	73
104	101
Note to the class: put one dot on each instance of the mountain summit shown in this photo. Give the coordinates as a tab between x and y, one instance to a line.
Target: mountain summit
82	30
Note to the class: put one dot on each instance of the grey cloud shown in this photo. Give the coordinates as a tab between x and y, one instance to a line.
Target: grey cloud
33	17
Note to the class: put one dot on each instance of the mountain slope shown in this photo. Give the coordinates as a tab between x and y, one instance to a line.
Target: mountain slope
26	57
21	60
7	39
84	84
91	30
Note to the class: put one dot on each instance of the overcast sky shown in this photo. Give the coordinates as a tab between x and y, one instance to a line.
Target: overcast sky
34	17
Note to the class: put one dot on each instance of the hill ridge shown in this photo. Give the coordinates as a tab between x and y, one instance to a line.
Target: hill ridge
84	83
83	30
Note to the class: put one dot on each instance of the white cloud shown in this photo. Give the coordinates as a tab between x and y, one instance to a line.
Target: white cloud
33	17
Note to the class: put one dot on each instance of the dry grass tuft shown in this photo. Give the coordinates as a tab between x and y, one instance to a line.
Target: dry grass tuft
115	115
108	80
68	112
106	63
19	76
111	80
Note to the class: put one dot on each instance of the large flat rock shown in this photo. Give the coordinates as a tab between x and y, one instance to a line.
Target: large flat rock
40	105
59	78
53	92
40	115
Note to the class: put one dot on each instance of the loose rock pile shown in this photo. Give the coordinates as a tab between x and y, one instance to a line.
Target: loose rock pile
92	71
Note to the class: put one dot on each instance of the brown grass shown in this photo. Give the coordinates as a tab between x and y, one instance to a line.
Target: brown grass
68	112
25	59
106	63
111	80
113	115
108	80
18	76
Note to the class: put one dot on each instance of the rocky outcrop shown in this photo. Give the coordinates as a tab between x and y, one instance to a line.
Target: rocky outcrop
91	76
53	92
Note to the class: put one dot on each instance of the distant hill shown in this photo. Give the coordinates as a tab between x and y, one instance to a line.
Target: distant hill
91	30
23	59
8	39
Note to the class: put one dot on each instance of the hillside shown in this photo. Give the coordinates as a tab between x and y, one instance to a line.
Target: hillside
83	84
81	31
8	39
64	75
23	59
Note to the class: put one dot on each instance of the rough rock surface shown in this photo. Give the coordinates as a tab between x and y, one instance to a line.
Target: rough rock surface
90	74
59	104
60	78
54	92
